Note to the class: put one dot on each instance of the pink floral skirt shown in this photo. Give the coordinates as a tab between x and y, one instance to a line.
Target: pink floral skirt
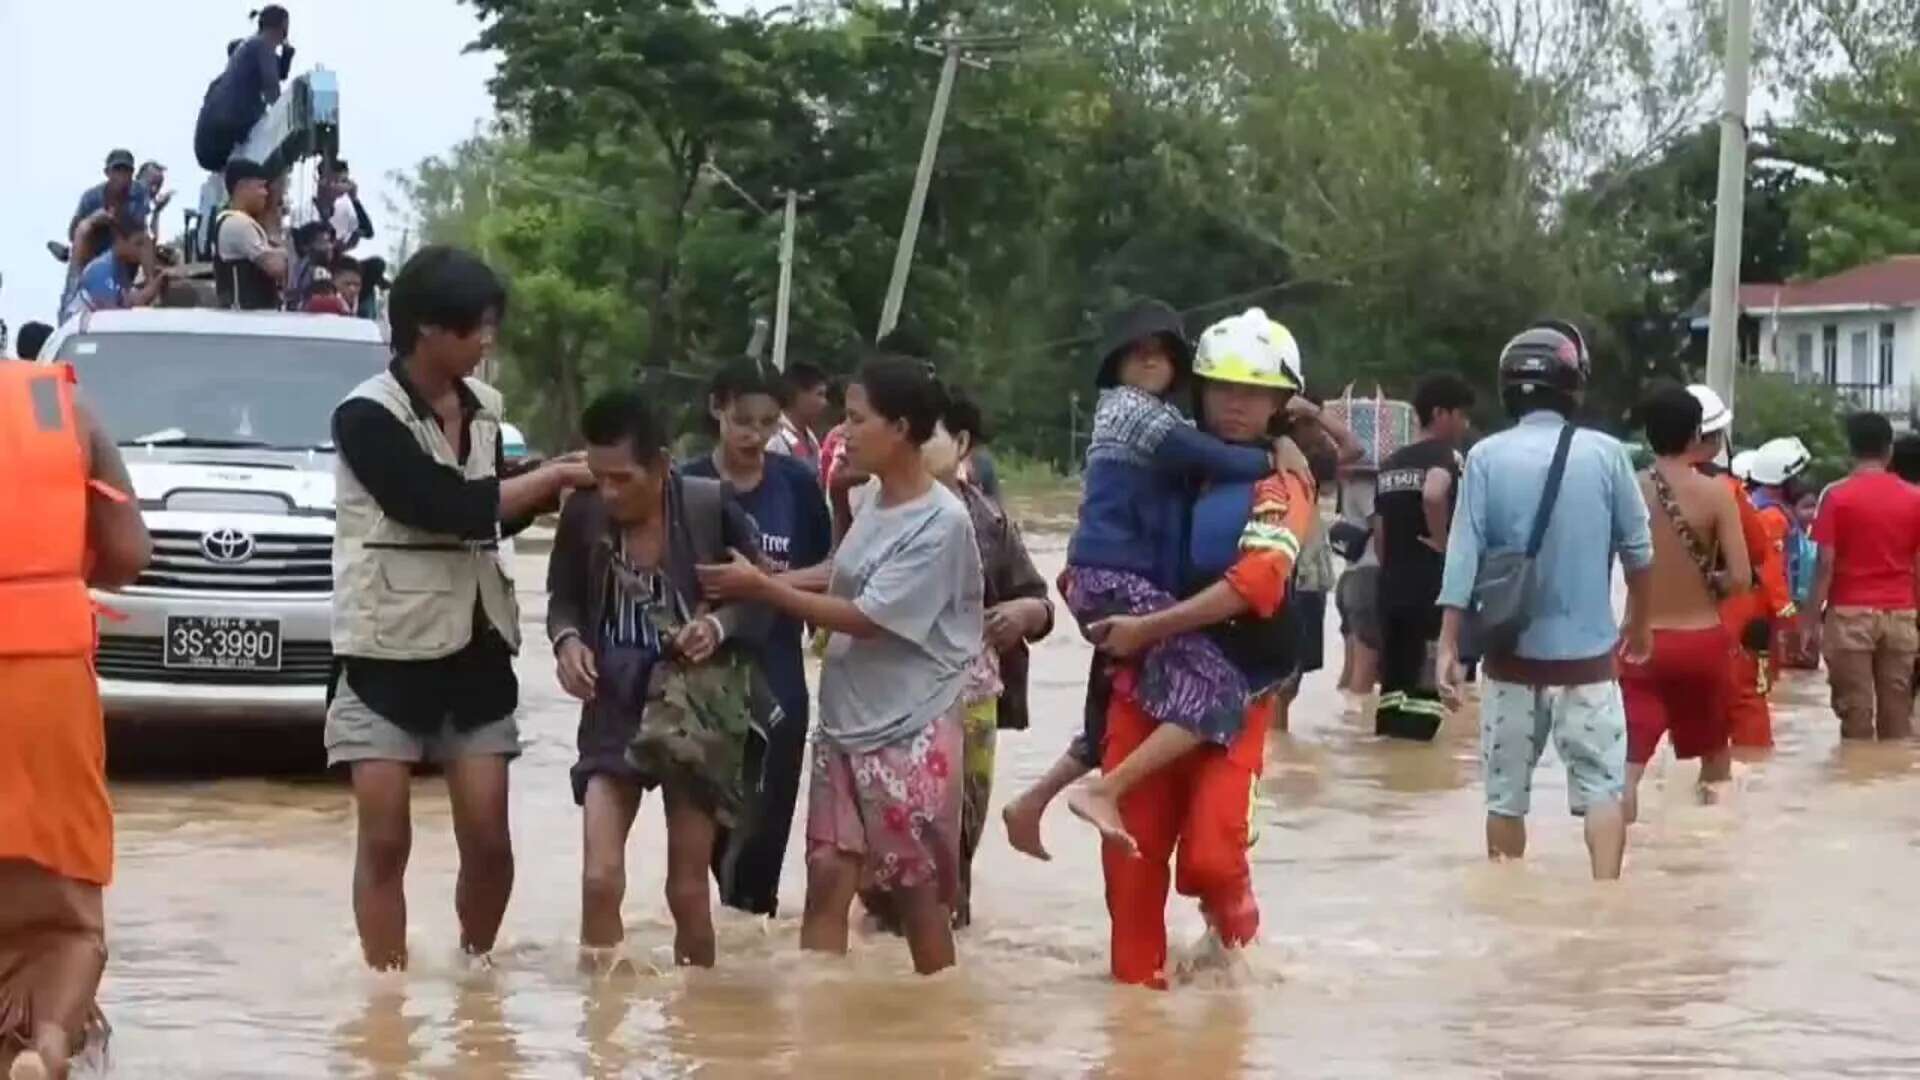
897	808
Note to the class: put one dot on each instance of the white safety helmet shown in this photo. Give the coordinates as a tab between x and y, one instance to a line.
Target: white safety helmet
1742	466
1778	461
1251	349
1714	414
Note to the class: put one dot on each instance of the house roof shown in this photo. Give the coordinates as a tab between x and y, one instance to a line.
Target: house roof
1892	282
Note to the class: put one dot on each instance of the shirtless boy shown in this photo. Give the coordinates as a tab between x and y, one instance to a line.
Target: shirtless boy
1699	559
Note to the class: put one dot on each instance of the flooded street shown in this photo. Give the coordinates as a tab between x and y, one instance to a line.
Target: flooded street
1771	935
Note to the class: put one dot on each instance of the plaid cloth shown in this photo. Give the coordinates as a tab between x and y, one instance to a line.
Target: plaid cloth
1129	425
1381	424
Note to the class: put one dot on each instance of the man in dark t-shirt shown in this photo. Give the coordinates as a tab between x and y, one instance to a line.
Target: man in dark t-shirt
1413	508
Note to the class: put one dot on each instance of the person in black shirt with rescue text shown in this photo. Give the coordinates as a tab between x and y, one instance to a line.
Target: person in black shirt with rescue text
1413	510
425	623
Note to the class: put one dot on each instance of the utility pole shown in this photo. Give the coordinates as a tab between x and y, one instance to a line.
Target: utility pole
953	48
1723	325
786	284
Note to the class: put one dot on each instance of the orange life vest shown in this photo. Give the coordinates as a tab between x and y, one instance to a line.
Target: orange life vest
45	609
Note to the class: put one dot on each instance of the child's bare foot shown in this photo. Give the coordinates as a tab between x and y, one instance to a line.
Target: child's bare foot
46	1060
1022	819
1091	804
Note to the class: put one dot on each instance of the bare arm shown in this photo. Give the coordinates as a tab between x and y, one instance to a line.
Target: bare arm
812	579
116	534
1436	502
1822	585
1217	603
157	279
818	609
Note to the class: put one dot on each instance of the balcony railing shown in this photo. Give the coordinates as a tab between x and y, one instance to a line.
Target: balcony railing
1863	396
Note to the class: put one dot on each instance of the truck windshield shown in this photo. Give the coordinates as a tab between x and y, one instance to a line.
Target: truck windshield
219	390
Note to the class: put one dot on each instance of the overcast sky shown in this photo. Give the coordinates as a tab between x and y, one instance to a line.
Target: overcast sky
406	91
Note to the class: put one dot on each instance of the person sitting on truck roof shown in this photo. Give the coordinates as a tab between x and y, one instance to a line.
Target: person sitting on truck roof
314	250
322	297
336	203
108	281
347	282
32	337
115	196
237	99
248	269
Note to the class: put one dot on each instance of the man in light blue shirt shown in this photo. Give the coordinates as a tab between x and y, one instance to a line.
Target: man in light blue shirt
1559	680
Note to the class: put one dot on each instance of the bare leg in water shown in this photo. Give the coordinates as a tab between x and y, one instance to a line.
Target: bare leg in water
1098	802
833	877
384	840
691	832
1022	815
607	818
478	788
1606	831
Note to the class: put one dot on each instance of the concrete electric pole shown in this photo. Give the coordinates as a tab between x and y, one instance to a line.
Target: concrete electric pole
1723	325
786	284
952	48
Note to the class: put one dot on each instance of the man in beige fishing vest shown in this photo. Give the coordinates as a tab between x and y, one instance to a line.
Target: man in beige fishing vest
425	623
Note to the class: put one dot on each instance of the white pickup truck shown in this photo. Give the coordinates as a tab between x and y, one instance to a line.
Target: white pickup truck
224	420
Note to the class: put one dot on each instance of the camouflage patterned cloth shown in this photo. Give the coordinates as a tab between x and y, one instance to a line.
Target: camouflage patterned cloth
696	724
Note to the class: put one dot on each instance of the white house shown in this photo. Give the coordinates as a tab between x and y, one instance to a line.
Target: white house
1857	331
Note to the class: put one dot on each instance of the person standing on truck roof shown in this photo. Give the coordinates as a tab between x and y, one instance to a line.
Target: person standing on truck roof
239	96
65	525
425	621
248	269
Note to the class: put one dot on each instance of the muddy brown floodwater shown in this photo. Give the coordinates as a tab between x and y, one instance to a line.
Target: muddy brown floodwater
1771	935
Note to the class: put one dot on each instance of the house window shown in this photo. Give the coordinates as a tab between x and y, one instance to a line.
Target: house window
1862	370
1803	357
1830	353
1886	354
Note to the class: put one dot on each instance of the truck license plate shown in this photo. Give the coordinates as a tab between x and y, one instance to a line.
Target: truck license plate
220	643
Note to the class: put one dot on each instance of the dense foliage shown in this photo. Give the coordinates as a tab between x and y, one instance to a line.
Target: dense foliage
1404	182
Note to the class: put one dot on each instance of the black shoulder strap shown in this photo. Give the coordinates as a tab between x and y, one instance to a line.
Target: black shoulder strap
1547	498
704	503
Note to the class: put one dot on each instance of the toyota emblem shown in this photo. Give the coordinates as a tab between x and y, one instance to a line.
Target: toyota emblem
227	546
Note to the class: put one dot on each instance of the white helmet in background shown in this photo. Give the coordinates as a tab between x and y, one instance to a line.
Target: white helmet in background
1250	349
1742	466
1714	414
1778	461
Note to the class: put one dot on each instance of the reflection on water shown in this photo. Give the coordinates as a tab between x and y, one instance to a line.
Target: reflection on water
1767	935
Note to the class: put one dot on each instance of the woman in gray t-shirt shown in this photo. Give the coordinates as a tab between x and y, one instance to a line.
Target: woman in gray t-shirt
904	610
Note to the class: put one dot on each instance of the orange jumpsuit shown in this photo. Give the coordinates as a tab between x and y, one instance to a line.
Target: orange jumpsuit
1200	805
56	825
1749	722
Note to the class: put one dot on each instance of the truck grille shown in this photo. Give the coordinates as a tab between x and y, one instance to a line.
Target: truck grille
302	663
278	565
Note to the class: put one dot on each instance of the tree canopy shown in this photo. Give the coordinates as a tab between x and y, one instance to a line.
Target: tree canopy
1404	182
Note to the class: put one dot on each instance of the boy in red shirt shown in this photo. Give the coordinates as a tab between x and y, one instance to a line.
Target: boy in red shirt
1868	533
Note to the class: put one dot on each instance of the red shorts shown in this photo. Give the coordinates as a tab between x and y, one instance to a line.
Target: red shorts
1682	689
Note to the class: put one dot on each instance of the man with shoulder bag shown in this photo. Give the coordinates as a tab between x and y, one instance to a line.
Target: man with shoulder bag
1531	574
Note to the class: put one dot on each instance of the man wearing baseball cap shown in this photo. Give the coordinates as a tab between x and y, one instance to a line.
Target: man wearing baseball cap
90	231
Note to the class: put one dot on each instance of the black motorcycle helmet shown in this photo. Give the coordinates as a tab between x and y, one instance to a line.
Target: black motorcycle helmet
1143	319
1545	365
